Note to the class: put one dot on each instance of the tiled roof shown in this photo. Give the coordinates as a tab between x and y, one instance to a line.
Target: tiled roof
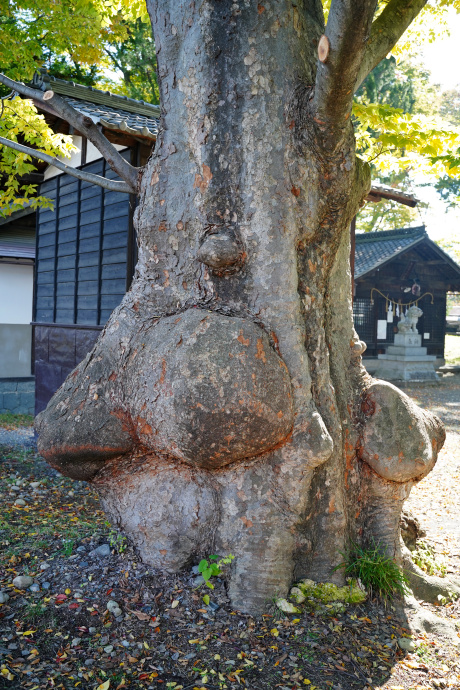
376	248
114	112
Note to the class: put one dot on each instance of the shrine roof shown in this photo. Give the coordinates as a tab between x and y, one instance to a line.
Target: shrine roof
118	113
373	249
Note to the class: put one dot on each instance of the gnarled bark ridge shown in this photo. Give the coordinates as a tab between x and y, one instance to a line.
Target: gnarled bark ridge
225	408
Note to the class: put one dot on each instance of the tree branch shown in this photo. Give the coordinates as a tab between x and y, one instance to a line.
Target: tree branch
111	185
347	30
386	32
86	126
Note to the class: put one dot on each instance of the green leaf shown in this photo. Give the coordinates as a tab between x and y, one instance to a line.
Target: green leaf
202	565
206	599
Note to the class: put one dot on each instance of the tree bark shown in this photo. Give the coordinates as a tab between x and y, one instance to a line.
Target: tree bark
225	408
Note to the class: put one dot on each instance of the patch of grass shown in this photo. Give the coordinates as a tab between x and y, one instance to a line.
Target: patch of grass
379	573
425	557
15	421
34	611
452	349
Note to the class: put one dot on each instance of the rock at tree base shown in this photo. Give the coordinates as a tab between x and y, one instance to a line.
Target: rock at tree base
23	581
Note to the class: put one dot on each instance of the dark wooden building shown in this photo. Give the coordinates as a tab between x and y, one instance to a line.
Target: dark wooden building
392	269
86	249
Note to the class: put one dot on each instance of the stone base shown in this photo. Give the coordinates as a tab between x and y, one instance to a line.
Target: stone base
406	369
409	339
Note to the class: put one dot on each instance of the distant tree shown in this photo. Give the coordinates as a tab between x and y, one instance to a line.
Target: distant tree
405	87
448	187
135	58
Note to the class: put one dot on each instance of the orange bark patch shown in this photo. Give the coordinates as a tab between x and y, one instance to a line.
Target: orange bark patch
162	227
166	283
260	9
295	190
349	461
163	370
311	266
260	351
155	178
202	181
246	522
113	376
331	508
163	552
368	406
242	339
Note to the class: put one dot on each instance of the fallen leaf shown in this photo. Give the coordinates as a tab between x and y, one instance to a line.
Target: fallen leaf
104	686
140	615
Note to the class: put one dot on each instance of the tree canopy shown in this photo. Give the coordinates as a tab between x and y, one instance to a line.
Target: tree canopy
397	127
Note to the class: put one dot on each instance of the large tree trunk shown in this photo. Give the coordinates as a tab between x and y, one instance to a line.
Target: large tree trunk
225	408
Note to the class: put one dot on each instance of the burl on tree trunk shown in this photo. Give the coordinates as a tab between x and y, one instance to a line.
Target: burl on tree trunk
225	408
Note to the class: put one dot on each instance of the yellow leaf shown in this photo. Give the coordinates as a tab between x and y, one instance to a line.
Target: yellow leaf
29	632
104	686
174	604
68	591
274	632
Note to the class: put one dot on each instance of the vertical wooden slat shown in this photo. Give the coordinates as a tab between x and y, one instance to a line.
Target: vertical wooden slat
56	244
101	241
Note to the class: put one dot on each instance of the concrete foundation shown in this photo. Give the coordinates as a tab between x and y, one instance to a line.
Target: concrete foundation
17	395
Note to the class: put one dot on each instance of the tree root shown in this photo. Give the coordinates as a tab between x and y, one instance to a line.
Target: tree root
427	587
418	619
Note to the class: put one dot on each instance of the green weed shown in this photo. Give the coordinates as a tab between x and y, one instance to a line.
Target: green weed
212	568
34	611
378	573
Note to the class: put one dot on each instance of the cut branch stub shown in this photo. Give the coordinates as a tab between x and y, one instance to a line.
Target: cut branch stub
220	251
323	48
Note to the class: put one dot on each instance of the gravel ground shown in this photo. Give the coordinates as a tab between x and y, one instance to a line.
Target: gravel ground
22	437
435	500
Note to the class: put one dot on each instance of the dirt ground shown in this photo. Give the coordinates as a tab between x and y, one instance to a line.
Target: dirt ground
98	618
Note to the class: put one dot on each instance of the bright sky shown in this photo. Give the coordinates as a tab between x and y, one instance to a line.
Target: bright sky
442	58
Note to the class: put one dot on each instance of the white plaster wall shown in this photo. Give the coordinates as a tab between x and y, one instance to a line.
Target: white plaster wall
74	160
16	291
92	154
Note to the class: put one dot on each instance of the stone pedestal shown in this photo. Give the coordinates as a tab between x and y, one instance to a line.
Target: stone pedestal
406	360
